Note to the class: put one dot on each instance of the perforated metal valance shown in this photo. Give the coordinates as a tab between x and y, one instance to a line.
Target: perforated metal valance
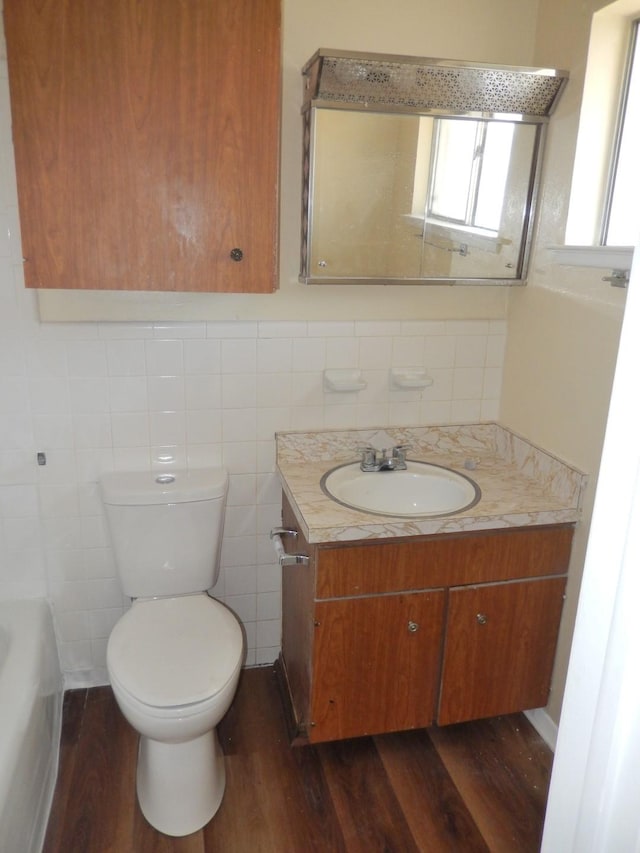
416	84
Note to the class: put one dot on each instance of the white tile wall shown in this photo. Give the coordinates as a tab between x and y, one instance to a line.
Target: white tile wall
99	396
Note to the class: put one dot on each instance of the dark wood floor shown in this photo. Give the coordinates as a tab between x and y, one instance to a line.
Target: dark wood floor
478	786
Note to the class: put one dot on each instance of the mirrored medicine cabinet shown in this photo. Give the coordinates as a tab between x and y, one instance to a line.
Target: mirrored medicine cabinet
420	171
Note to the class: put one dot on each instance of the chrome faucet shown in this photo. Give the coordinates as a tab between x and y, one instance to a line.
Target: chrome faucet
389	459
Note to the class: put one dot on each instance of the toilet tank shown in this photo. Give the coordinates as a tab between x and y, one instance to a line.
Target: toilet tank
166	529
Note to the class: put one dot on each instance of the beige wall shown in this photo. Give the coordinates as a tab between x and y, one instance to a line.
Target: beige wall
499	31
563	329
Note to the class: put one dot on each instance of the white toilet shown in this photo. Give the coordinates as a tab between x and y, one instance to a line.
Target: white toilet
174	658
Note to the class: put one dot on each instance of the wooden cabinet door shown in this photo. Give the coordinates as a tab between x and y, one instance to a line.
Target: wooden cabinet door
146	137
499	648
376	664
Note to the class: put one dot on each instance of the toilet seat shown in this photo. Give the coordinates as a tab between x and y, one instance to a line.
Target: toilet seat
169	652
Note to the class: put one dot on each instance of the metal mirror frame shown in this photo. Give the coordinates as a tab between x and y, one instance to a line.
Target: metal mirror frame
438	88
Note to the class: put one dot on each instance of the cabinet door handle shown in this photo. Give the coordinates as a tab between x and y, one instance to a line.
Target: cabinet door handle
482	618
412	627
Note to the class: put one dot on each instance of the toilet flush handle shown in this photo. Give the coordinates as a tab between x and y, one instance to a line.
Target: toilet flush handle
283	558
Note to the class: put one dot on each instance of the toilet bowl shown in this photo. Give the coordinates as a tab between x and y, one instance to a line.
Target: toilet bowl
174	665
174	658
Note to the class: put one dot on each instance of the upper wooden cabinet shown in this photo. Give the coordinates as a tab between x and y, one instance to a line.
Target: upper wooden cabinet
146	136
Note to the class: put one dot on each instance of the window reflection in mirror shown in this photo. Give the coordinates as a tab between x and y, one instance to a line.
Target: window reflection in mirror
468	173
409	197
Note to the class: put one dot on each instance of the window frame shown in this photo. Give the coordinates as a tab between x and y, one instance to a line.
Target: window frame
633	56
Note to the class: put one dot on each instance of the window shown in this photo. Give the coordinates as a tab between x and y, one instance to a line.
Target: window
621	219
603	222
468	175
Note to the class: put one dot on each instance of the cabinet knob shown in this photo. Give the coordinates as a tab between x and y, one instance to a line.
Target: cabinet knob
412	627
236	254
481	618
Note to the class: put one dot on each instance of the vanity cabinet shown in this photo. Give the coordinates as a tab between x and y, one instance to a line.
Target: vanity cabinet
146	138
385	635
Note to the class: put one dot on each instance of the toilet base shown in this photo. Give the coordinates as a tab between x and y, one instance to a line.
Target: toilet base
180	785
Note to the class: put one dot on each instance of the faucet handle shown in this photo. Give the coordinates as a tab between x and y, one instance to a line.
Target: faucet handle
399	453
368	456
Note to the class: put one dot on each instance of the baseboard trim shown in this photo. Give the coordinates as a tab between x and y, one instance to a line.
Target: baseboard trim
544	725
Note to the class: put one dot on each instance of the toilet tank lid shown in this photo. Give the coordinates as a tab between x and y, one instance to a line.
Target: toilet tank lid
139	488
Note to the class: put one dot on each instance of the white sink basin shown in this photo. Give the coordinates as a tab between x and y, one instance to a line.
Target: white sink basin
422	490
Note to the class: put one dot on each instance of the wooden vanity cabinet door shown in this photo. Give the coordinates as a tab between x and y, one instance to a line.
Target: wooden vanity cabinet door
146	138
376	664
499	648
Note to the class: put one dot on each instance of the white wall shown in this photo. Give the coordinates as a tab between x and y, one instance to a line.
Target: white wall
564	327
595	785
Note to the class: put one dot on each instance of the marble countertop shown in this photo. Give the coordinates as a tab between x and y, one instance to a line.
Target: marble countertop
521	484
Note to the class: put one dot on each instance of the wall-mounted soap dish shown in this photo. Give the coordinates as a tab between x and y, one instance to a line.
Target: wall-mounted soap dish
409	377
344	379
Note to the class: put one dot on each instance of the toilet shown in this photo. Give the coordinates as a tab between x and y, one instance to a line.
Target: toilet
174	657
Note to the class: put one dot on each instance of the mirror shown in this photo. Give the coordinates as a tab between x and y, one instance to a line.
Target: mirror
415	197
420	171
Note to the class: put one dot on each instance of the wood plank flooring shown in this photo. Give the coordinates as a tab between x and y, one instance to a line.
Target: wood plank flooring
478	786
